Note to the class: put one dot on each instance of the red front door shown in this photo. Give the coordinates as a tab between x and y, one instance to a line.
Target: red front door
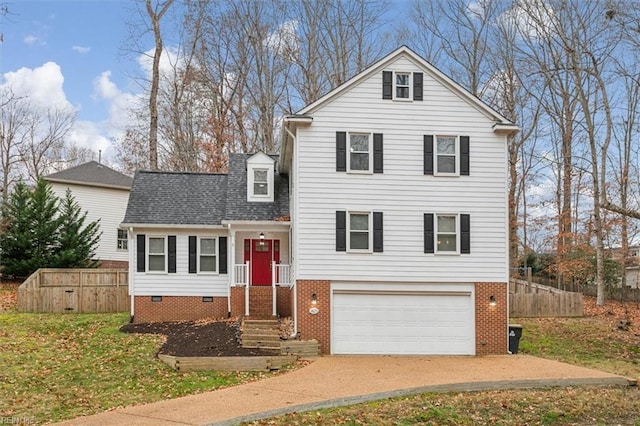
260	254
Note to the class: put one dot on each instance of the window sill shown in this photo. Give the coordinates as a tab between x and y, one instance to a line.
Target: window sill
359	172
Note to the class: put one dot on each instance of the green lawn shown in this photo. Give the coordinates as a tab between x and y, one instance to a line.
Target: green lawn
55	367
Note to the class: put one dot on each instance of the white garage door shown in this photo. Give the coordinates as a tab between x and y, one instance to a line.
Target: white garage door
386	322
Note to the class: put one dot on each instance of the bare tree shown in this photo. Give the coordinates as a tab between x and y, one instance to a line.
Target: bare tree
13	118
155	14
44	140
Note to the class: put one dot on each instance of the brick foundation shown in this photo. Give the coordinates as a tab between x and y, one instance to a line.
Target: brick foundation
261	301
491	321
316	326
178	308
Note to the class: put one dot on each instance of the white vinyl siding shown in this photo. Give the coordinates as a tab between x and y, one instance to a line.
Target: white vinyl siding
106	204
403	192
180	283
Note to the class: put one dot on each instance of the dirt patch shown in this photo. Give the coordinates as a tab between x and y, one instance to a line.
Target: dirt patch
8	296
198	338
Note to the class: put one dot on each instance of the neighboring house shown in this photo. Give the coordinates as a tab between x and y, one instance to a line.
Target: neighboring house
103	193
381	228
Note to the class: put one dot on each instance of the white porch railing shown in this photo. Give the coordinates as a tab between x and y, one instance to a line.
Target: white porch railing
279	277
241	274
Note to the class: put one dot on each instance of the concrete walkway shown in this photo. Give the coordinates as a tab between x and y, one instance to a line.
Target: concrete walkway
342	380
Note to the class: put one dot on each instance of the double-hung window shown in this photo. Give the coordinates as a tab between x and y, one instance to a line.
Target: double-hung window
157	254
447	234
122	242
359	232
446	154
260	182
359	152
207	256
402	85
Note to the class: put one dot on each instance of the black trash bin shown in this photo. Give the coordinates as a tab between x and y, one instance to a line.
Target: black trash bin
515	332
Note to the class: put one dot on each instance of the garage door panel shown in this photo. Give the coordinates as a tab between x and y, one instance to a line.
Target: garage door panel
402	324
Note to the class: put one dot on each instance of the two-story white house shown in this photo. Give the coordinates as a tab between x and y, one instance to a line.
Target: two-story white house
381	227
103	193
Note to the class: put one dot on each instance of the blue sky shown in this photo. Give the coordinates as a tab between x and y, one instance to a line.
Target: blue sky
71	49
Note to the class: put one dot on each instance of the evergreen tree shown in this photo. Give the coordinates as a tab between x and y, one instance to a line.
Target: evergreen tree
16	236
45	223
42	231
76	242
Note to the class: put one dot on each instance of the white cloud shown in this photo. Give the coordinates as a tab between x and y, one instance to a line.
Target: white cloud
30	40
121	105
81	49
41	85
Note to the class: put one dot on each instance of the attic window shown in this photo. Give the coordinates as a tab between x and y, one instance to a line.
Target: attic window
402	85
261	182
260	178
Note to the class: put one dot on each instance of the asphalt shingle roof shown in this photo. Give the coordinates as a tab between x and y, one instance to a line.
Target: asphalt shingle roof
176	198
179	198
92	173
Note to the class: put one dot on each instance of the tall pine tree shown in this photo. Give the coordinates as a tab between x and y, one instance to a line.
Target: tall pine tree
42	231
76	242
16	236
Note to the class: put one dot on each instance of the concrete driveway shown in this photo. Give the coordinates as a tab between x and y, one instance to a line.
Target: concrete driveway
342	380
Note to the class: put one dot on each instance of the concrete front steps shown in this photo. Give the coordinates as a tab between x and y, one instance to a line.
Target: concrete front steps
265	334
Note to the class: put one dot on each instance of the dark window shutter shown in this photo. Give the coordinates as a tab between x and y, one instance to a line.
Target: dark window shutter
464	155
428	154
417	86
387	85
341	151
222	255
140	247
193	254
378	164
171	243
377	232
465	234
428	233
341	231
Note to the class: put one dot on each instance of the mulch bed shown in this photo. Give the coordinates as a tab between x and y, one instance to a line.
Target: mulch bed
197	338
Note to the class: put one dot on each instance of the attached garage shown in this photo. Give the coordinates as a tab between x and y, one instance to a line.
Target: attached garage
403	319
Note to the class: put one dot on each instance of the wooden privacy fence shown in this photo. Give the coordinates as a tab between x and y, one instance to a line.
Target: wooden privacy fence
75	290
528	299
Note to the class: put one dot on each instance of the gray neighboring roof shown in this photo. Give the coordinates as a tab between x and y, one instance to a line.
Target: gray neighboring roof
92	174
238	208
176	198
179	198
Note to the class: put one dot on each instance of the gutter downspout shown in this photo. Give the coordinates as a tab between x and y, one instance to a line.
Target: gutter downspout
131	280
295	288
232	246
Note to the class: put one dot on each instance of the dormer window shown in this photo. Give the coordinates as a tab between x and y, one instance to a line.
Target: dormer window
260	173
260	182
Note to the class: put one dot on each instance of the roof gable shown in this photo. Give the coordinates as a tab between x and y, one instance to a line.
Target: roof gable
92	174
425	66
